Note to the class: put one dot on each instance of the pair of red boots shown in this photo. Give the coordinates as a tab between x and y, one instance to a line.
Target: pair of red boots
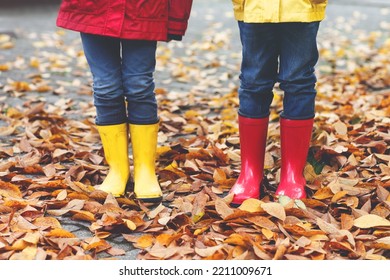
295	138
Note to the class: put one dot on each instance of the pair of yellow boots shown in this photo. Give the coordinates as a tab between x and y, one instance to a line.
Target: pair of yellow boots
144	143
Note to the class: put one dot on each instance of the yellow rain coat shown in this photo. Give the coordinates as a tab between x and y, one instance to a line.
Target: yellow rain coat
276	11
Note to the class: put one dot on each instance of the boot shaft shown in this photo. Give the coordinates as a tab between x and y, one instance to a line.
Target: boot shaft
253	138
295	136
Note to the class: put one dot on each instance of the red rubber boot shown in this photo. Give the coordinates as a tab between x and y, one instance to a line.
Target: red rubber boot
253	137
295	136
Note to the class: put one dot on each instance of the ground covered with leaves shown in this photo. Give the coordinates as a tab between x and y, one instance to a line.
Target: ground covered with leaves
51	157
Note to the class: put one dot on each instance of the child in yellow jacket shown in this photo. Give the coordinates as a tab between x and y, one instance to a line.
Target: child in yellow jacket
279	44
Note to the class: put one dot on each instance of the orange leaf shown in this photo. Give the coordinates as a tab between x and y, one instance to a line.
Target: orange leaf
9	190
83	215
219	176
61	233
236	239
144	241
323	193
99	245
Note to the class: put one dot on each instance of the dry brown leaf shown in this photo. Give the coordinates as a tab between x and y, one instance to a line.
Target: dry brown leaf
223	209
274	209
47	222
208	251
199	203
263	222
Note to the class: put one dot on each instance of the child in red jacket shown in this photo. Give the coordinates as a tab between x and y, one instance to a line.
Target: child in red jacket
119	40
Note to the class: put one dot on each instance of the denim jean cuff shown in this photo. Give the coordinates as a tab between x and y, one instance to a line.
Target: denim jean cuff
144	122
305	117
252	116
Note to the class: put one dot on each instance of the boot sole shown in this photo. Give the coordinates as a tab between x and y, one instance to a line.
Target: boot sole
150	199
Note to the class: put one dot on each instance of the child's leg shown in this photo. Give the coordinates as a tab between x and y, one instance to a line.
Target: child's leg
103	56
138	66
298	57
258	75
260	51
137	74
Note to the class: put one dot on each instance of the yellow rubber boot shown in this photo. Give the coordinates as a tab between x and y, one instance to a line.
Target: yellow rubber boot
144	143
115	144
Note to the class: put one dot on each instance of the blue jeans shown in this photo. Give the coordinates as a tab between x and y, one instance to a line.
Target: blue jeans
123	83
278	52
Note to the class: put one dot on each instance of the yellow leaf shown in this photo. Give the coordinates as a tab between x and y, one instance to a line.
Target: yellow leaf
200	230
191	114
274	209
19	245
251	205
338	195
27	253
4	67
371	220
267	233
130	224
